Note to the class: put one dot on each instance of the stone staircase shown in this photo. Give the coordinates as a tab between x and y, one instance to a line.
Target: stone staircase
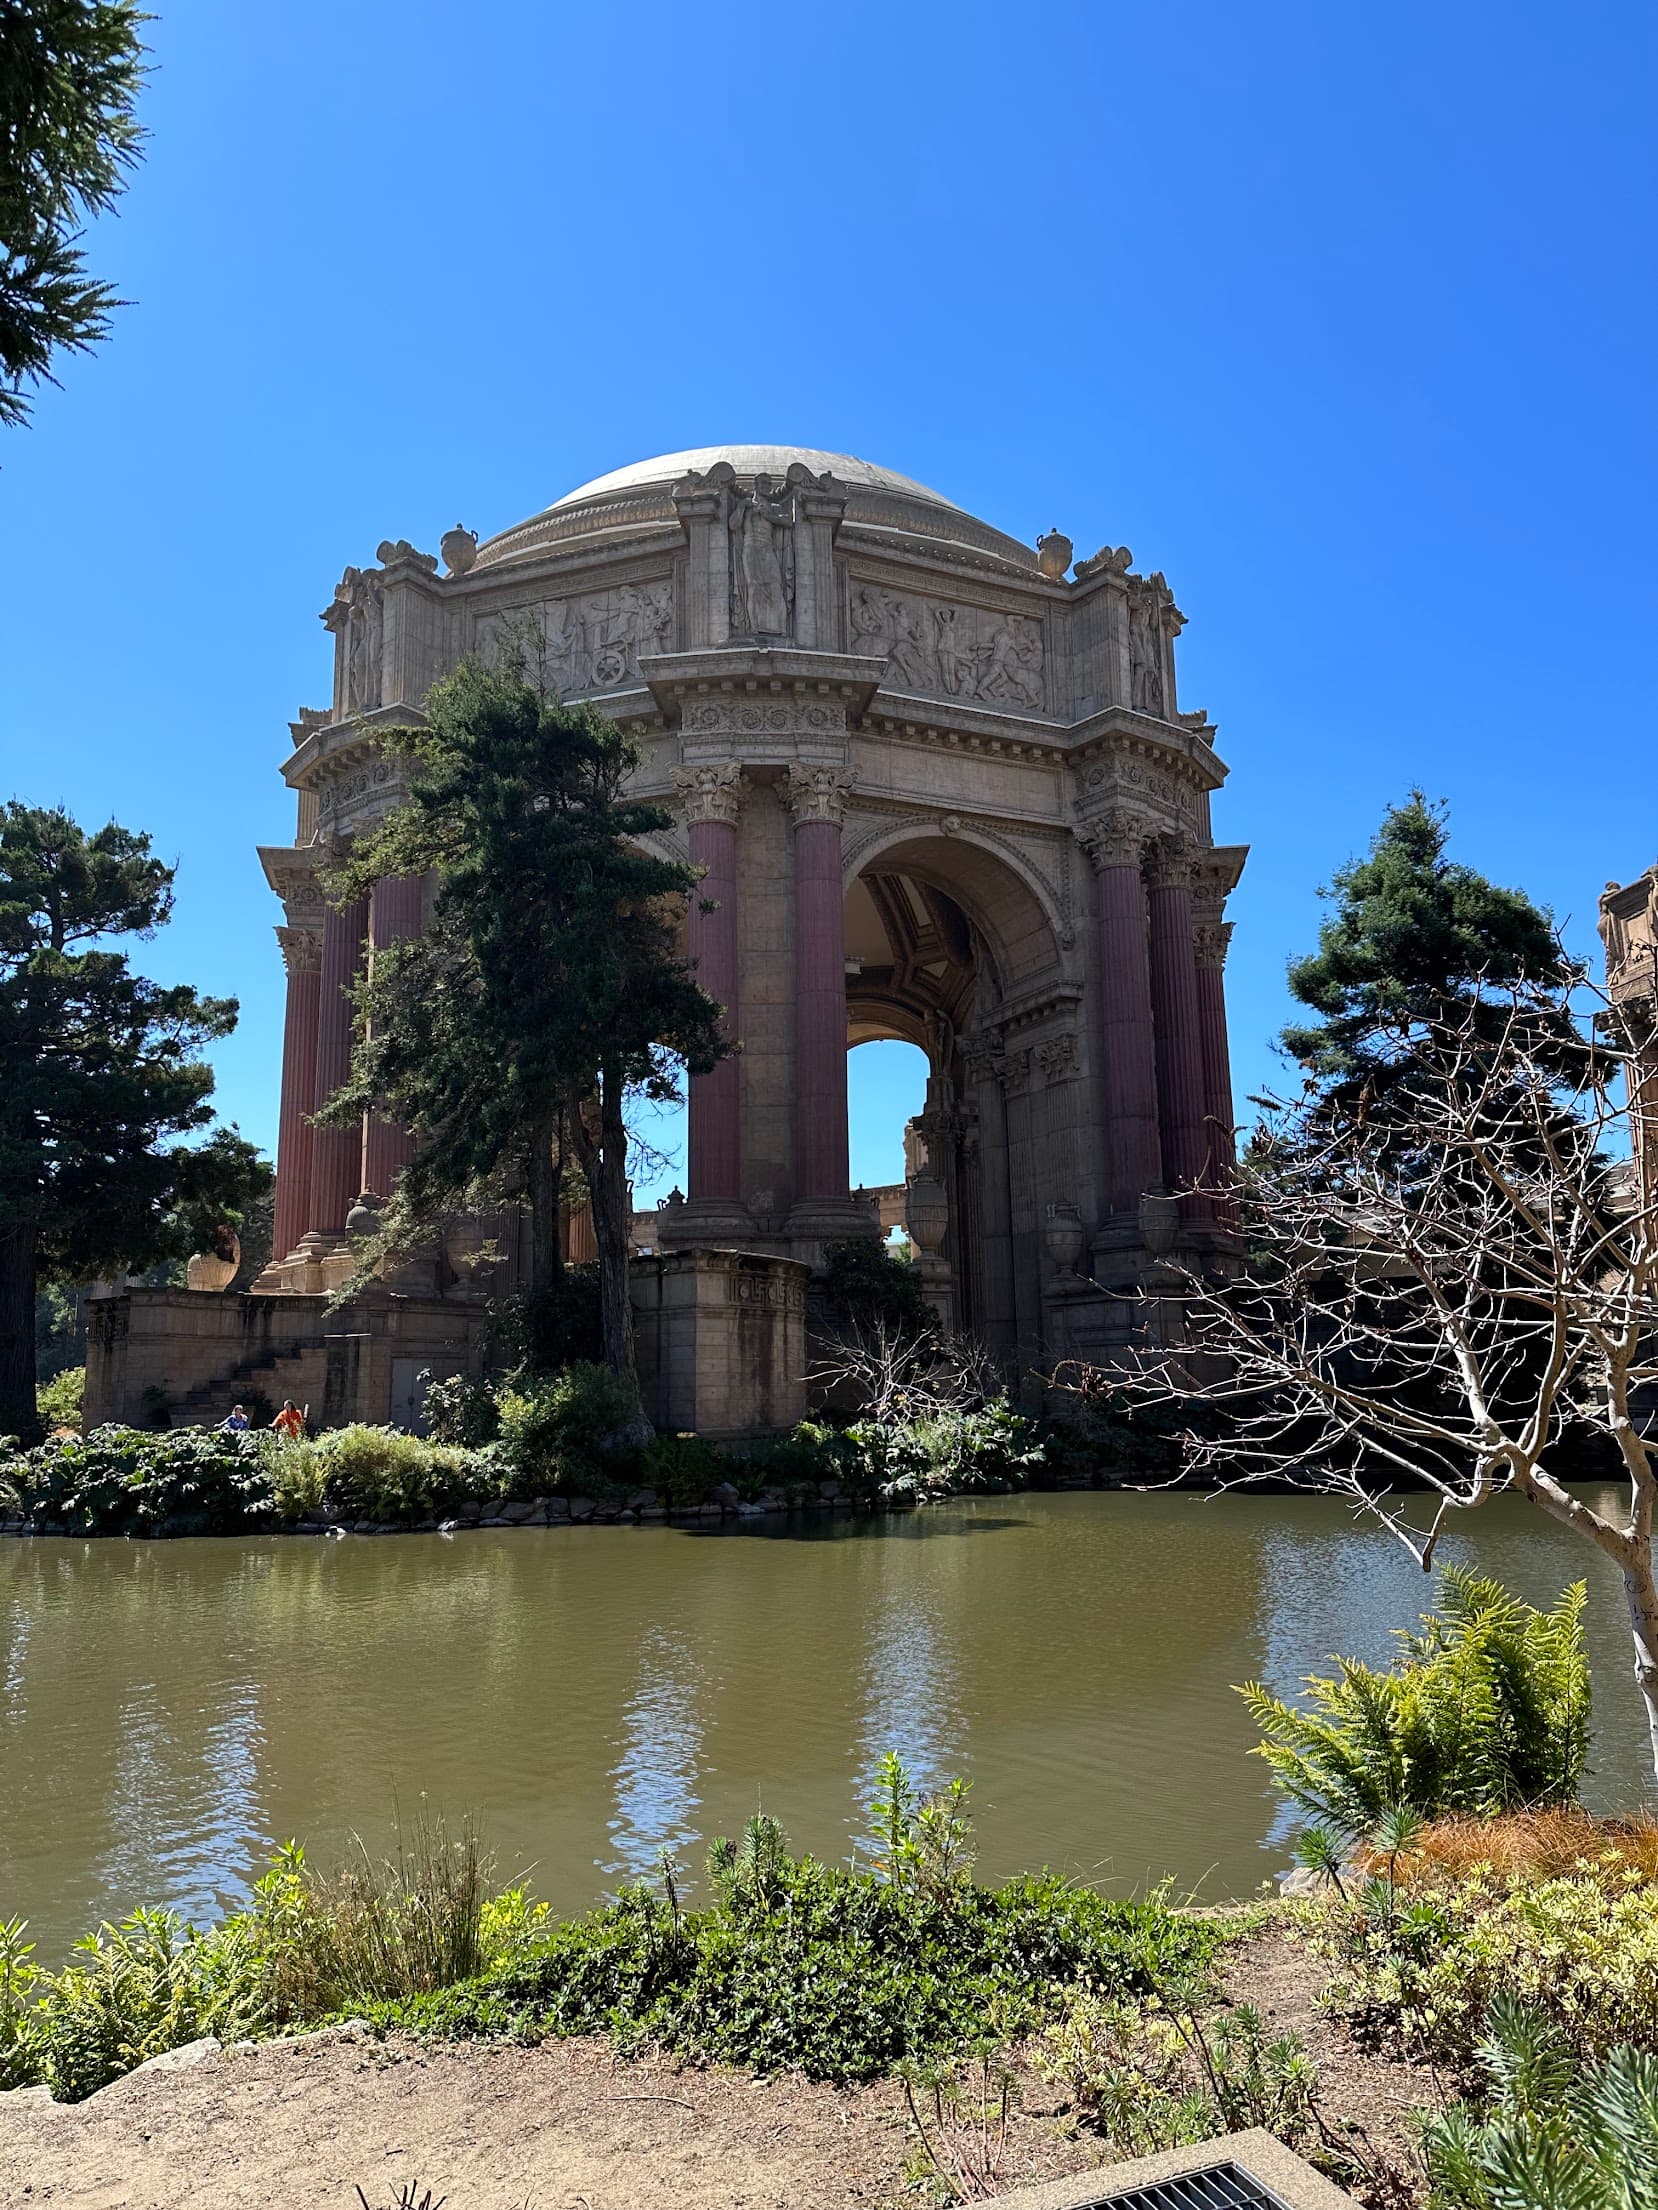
281	1371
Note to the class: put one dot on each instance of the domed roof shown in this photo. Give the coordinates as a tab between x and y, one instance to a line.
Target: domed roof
748	461
637	501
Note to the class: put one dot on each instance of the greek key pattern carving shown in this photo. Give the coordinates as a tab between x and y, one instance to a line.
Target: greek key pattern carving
758	1289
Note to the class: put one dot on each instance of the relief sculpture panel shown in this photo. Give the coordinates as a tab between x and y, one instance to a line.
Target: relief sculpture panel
591	643
940	651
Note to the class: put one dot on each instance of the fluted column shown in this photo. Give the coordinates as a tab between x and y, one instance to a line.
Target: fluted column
336	1153
302	955
713	797
817	803
1134	1160
1210	937
394	913
1174	1002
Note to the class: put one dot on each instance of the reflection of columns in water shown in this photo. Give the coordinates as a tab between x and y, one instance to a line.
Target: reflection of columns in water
656	1774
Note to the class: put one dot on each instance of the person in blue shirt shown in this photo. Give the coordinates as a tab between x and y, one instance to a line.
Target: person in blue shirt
237	1424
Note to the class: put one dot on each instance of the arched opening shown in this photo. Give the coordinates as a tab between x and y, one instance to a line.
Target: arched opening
940	935
886	1089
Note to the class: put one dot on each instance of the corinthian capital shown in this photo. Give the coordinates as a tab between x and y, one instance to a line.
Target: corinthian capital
816	794
301	948
1209	942
1171	862
1116	838
712	791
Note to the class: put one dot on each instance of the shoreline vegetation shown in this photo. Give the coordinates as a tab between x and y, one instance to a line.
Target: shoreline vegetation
1466	1990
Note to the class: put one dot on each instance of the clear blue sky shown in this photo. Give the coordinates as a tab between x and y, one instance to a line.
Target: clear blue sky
1343	317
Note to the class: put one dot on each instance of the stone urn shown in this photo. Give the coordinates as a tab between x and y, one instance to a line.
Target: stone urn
926	1213
1159	1222
215	1269
1064	1238
1053	554
459	548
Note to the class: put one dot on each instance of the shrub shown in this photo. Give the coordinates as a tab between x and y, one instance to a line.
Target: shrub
59	1400
1531	1845
685	1470
1558	2135
374	1473
126	1480
952	1450
557	1430
1487	1711
463	1412
867	1286
1420	1972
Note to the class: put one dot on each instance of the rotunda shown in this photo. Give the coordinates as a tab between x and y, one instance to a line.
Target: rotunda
943	790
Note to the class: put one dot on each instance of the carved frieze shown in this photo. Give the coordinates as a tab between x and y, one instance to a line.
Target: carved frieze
590	643
1125	777
942	651
713	790
770	717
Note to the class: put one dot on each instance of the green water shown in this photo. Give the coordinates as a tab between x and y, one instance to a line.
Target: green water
168	1711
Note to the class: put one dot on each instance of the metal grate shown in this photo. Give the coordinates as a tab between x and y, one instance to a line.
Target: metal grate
1219	2187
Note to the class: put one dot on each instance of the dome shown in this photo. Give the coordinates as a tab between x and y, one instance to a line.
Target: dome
748	461
637	501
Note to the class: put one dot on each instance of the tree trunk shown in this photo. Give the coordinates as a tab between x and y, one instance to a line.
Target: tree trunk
605	1165
545	1184
1642	1598
19	1415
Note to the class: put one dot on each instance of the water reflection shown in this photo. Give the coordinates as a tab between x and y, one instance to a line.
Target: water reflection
171	1711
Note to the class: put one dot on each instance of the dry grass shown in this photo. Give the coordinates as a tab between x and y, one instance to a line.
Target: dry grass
1529	1845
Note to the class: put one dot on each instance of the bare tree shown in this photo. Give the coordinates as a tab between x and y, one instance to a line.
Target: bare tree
1445	1311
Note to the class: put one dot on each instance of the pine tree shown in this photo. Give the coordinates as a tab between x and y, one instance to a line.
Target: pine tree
549	986
70	71
98	1066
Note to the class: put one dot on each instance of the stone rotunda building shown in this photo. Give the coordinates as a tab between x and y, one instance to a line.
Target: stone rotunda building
943	790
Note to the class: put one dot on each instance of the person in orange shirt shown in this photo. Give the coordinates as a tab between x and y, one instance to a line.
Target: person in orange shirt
290	1421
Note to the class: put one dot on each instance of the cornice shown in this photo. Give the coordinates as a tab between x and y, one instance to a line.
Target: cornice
339	743
756	670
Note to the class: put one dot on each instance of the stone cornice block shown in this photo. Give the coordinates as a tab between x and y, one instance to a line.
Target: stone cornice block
739	670
340	742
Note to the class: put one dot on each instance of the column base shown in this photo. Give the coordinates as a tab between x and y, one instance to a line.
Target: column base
705	1223
832	1219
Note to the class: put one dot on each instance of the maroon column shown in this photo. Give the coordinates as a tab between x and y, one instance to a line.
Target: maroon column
821	1162
302	951
1134	1158
1210	940
394	913
336	1153
714	1151
1174	1000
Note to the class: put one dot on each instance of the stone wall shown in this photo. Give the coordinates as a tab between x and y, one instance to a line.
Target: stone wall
721	1340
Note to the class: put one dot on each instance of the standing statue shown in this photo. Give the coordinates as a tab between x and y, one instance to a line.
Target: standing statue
761	523
1144	656
363	683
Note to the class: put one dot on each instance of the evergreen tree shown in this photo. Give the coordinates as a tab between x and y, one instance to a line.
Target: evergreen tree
549	986
70	71
1415	939
98	1066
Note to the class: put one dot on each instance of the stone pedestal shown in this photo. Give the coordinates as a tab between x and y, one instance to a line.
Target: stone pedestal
721	1340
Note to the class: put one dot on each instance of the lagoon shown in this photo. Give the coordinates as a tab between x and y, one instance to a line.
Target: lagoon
171	1710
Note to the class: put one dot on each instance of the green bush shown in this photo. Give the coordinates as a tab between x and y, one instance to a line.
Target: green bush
952	1451
374	1473
463	1412
127	1480
59	1401
1557	2134
1421	1972
1487	1711
558	1430
867	1286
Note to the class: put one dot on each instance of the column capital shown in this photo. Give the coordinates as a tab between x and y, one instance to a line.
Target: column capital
1171	862
1117	837
1210	940
301	948
815	794
713	790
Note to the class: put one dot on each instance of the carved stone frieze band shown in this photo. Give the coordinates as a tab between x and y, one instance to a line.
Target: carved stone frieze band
770	717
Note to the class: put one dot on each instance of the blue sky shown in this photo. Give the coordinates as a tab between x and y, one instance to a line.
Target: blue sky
1343	318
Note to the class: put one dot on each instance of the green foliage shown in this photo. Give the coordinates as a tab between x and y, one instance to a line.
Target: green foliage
373	1473
1487	1710
923	1843
1422	1973
1161	2076
102	1067
1558	2135
567	1430
1412	939
70	72
866	1285
59	1400
839	1973
549	985
124	1480
462	1411
952	1451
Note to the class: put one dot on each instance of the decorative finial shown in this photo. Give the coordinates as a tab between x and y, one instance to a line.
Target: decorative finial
1053	554
459	547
